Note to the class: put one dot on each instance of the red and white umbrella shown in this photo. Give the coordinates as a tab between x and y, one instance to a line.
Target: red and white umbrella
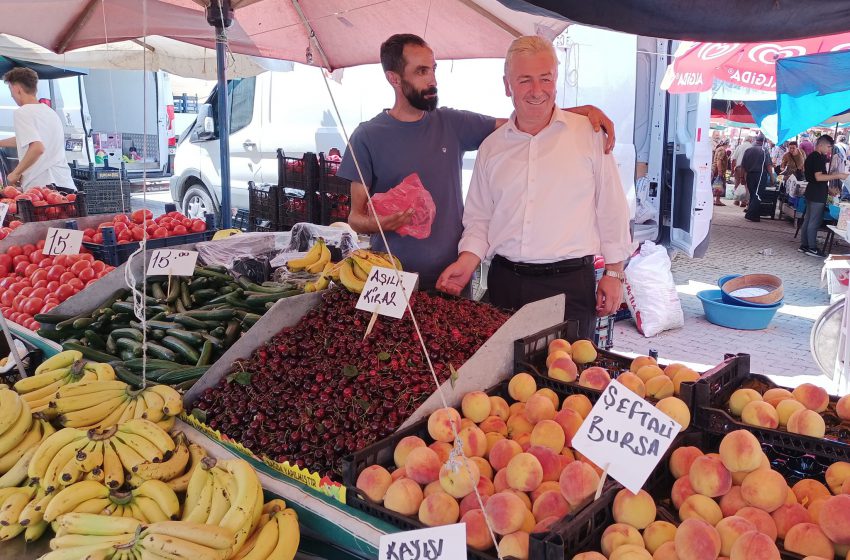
746	65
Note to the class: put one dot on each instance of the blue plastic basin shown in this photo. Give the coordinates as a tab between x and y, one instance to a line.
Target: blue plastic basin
735	316
732	300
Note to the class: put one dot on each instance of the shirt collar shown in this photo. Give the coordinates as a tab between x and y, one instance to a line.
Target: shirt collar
557	116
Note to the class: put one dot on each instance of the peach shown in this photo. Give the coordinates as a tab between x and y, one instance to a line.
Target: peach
659	387
666	551
776	395
809	490
525	473
836	474
754	546
578	482
650	371
807	539
442	449
701	507
834	519
506	512
813	397
555	356
658	533
684	376
467	423
808	423
762	520
524	441
492	438
740	451
641	361
842	407
630	552
761	414
710	477
814	509
470	502
551	395
476	406
503	451
787	516
404	447
516	408
485	487
549	504
697	540
730	530
515	545
676	409
559	345
638	510
594	378
529	522
423	465
526	501
500	481
438	509
459	478
570	421
563	369
671	370
519	424
374	481
589	556
633	383
732	501
765	489
521	387
433	488
548	433
474	441
790	498
682	458
543	525
549	461
739	476
579	403
443	424
787	407
484	467
583	352
403	496
741	398
499	407
477	534
493	424
545	486
539	407
681	491
617	535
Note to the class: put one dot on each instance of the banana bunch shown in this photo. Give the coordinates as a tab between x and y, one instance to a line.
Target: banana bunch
175	471
324	279
12	503
101	404
152	501
314	261
277	535
15	463
19	431
71	454
62	369
354	271
225	493
82	535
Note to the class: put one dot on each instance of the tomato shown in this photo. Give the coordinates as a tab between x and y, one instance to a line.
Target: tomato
138	233
160	232
41	292
97	238
17	302
25	291
63	292
7	298
5	263
102	225
20	259
122	218
20	268
62	260
139	216
165	221
76	283
39	275
98	266
87	274
179	230
79	266
7	282
40	284
125	235
119	227
37	256
55	272
14	316
66	277
33	305
86	257
14	251
30	270
28	248
72	197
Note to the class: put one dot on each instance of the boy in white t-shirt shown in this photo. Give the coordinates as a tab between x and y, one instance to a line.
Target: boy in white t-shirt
39	136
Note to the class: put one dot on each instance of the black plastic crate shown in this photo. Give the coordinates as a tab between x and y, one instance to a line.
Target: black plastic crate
115	254
711	395
31	359
263	207
92	173
105	196
334	193
28	212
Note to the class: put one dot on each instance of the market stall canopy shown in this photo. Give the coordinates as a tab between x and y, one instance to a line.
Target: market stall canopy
330	33
155	53
44	71
743	21
746	65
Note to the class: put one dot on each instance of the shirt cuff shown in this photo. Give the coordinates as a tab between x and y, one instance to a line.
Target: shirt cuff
477	247
614	253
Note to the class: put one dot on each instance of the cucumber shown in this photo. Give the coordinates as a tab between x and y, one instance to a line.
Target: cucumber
90	353
190	322
126	355
133	334
206	354
129	345
180	376
198	284
51	319
157	291
207	273
201	296
219	268
177	345
95	340
161	352
195	339
111	347
136	364
158	334
214	340
162	325
232	332
173	291
126	375
179	307
185	296
123	307
53	335
82	322
261	300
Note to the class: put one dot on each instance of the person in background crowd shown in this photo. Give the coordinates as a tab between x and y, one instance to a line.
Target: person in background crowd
777	153
816	193
842	147
806	144
515	212
739	171
719	165
759	167
792	162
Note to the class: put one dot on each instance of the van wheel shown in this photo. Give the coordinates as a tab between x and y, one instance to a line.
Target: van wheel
197	202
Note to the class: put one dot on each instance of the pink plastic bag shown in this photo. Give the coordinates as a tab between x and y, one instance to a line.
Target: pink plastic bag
410	193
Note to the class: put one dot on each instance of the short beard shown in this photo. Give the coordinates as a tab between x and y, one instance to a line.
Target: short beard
417	98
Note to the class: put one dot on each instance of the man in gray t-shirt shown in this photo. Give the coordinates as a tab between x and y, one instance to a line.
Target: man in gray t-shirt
417	137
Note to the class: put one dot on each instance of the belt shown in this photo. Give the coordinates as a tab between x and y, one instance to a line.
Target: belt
547	269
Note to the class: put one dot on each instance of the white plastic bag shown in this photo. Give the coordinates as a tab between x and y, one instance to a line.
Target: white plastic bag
651	293
645	211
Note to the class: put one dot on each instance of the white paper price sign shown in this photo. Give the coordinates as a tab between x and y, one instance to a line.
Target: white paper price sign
62	241
447	542
626	433
174	262
4	209
383	294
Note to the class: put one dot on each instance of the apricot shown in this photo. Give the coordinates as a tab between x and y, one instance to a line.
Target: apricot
836	474
477	534
761	414
670	370
666	551
476	406
632	382
474	441
515	545
659	387
697	540
638	510
630	552
374	481
765	489
682	458
506	512
834	519
539	407
741	398
524	441
570	421
559	345
684	376
594	378
776	395
549	461
583	352
813	397
754	546
651	371
578	482
423	465
403	496
521	387
709	476
499	407
658	533
641	361
787	407
551	395
740	451
432	488
524	472
516	408
563	369
739	476
519	424
842	407
579	403
404	447
808	423
438	509
467	423
526	501
809	490
787	516
556	355
732	501
549	504
701	507
730	530
548	433
807	539
676	409
459	478
485	469
443	424
681	491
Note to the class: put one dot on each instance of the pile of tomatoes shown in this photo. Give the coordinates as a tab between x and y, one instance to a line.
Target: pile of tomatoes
31	282
13	225
130	228
39	196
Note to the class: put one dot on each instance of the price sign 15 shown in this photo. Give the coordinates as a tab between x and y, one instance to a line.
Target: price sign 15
176	262
62	242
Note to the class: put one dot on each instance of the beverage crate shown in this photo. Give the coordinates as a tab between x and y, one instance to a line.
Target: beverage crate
105	196
114	254
381	453
334	193
711	396
92	173
29	212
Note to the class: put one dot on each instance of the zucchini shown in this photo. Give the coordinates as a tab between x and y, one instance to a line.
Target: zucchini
82	322
180	376
223	275
181	348
133	334
206	354
198	283
158	334
215	341
231	333
129	345
204	295
157	291
221	269
161	352
261	300
195	339
126	355
190	322
95	340
90	353
111	347
53	335
185	296
51	319
136	364
162	325
173	291
179	307
127	376
123	307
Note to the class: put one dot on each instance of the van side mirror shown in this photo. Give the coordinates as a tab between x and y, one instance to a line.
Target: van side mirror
204	128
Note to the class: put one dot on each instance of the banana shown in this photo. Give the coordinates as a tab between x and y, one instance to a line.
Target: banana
34	532
167	423
377	259
30	442
114	417
17	431
198	497
167	470
73	540
173	401
181	483
264	542
288	535
221	499
149	508
104	372
140	407
73	470
348	279
90	552
324	259
170	546
132	510
129	412
10	531
33	512
38	395
113	470
90	524
150	431
93	457
70	498
18	473
147	450
245	509
49	448
95	505
12	507
359	270
309	259
73	404
161	494
96	474
208	535
273	506
50	481
154	403
92	416
60	360
40	381
128	456
86	387
11	406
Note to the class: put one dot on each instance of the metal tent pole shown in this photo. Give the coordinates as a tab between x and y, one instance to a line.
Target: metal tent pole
220	15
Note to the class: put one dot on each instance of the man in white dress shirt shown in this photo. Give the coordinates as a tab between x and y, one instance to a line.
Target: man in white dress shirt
544	199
